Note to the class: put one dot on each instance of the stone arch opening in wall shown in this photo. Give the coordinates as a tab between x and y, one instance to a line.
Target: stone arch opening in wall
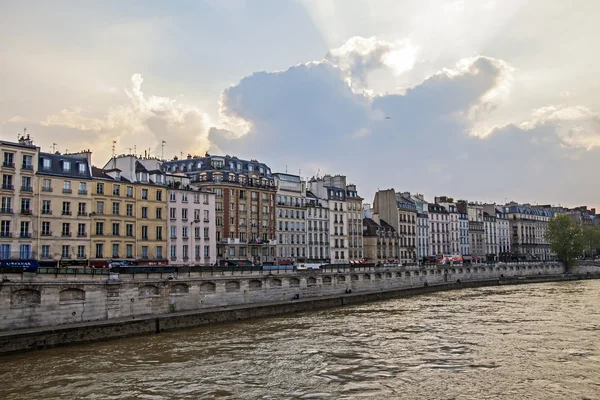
407	273
232	286
148	291
294	282
438	272
460	270
547	267
209	287
327	280
25	298
354	277
468	270
180	288
274	283
453	271
378	276
71	295
388	275
341	279
254	284
504	268
529	267
416	273
311	281
398	274
366	277
512	268
491	269
475	269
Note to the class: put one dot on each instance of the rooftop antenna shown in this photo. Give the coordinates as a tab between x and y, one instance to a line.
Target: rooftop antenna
54	146
162	150
114	143
135	149
181	153
129	148
286	168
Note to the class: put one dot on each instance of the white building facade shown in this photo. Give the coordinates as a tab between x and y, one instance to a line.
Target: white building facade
290	214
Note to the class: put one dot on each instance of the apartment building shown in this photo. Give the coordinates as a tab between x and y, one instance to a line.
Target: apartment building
64	199
422	226
381	241
245	193
355	224
317	219
401	212
465	243
491	237
17	211
453	222
439	229
291	227
476	228
528	226
191	239
333	189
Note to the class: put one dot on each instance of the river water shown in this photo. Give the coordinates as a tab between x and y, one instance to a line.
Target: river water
517	342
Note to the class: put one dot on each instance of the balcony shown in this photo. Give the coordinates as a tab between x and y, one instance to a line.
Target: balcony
25	235
82	191
82	213
6	211
206	202
81	234
65	234
47	233
206	238
26	189
67	191
66	212
206	220
27	167
46	189
46	212
81	257
173	258
7	164
26	212
5	234
7	186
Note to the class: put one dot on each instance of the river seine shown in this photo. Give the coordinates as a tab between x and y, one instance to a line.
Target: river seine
517	342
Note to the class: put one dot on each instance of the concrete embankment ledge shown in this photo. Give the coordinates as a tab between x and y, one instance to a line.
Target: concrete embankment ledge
21	340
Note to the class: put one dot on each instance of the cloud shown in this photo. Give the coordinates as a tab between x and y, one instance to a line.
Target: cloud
144	122
359	56
16	119
309	116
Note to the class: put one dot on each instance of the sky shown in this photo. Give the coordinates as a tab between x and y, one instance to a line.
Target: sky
483	100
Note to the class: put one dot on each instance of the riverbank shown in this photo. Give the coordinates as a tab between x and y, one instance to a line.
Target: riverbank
85	332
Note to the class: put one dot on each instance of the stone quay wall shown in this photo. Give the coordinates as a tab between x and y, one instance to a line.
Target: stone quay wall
40	312
50	300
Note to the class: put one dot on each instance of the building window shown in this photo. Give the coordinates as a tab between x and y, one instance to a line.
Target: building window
129	191
66	166
100	228
80	252
173	232
130	210
159	233
144	233
173	251
45	251
129	230
185	252
67	187
116	190
158	195
115	208
81	230
129	251
116	229
99	250
145	252
184	214
144	194
158	213
66	229
100	188
173	213
100	207
115	250
144	212
159	253
25	251
65	252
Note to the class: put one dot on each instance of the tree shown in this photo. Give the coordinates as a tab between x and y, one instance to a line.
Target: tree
566	239
591	238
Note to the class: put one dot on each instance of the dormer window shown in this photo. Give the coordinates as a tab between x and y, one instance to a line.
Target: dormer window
66	166
47	163
250	167
82	168
199	164
144	176
239	166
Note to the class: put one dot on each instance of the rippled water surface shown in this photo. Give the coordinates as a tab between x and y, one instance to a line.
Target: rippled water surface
520	342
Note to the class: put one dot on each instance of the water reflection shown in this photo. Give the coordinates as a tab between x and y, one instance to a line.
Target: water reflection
536	341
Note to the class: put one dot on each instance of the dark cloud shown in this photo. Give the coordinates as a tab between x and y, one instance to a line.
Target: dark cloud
308	117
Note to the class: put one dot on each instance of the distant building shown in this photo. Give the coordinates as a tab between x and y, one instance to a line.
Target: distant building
291	219
317	218
439	229
65	197
381	241
423	249
528	226
245	193
17	213
465	243
454	224
491	236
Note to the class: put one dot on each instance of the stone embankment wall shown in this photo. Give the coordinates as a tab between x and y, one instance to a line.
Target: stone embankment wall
58	312
51	300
